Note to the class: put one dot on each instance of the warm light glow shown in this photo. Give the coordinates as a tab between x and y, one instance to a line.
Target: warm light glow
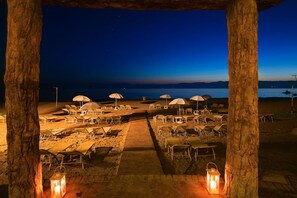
58	185
57	190
213	185
212	180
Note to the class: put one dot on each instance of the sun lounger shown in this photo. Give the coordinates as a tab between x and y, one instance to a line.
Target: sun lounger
46	134
128	107
219	129
197	145
48	156
152	106
46	119
83	150
73	107
172	143
179	129
116	119
162	129
200	129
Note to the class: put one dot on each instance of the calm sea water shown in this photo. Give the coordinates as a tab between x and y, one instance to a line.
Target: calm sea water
102	94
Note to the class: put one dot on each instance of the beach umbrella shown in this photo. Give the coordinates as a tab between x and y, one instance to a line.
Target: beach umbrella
116	96
197	98
81	99
166	96
90	105
178	101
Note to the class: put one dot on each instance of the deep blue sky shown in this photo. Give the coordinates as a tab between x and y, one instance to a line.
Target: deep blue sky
106	45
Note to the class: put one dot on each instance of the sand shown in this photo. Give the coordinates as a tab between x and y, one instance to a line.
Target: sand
279	137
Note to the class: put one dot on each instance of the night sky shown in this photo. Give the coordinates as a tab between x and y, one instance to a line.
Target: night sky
107	45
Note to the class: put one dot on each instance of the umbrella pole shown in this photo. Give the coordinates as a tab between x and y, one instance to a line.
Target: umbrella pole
197	105
116	102
166	101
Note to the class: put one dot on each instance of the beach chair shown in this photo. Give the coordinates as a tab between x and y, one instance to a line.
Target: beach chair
68	107
218	118
98	111
74	107
179	129
47	157
50	155
85	149
116	119
128	107
47	134
164	129
205	149
200	129
122	107
102	131
170	118
70	119
152	106
158	106
46	119
219	129
176	143
189	111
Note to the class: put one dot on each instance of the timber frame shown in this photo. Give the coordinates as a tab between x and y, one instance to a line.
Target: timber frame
154	4
24	26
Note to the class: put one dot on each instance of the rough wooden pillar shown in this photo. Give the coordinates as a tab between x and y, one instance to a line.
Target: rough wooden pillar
241	169
24	27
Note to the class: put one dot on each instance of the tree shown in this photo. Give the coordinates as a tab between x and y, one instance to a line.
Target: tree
24	27
241	169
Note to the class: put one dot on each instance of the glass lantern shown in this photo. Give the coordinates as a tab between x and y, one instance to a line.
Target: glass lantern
212	178
58	184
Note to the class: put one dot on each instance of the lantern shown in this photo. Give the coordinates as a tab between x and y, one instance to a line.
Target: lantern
212	179
58	184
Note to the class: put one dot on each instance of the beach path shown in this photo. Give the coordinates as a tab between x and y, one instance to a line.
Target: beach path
139	155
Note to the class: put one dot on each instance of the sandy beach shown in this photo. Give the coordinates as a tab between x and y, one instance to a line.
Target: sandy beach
277	139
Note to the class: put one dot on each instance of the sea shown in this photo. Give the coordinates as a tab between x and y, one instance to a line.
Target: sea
66	94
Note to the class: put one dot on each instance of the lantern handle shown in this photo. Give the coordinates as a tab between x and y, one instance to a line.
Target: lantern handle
211	163
62	169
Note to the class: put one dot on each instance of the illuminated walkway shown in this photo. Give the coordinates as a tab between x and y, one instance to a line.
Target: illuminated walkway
139	155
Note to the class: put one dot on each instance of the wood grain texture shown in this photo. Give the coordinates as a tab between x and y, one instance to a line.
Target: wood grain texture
24	23
241	169
154	4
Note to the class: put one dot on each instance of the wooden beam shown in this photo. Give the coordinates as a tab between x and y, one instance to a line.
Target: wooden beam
153	4
24	26
241	169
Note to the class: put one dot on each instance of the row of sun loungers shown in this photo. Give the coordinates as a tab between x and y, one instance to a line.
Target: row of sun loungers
187	118
66	153
94	119
191	144
93	132
201	129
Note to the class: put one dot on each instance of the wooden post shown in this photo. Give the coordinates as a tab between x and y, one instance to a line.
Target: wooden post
241	169
24	27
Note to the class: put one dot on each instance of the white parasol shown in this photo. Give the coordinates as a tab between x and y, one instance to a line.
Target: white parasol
90	105
116	96
178	101
197	98
81	99
166	96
